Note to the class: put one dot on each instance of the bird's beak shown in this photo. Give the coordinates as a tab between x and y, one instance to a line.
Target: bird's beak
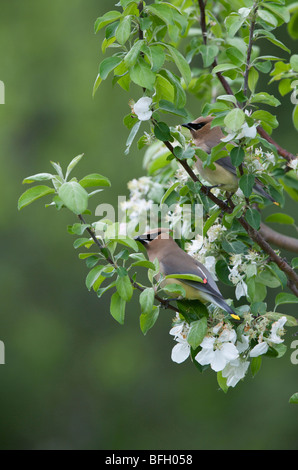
188	125
140	239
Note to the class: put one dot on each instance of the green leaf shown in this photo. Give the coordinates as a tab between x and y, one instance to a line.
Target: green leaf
174	290
237	155
267	17
222	272
74	197
255	365
124	287
293	26
208	54
223	68
169	191
123	30
246	183
210	221
147	300
284	298
189	277
197	332
253	77
294	398
222	382
294	263
117	308
142	75
107	65
235	119
132	136
165	105
93	275
148	320
253	217
72	164
162	132
295	117
265	117
280	218
94	179
104	20
144	264
265	98
181	63
278	10
235	247
38	177
126	241
32	194
132	56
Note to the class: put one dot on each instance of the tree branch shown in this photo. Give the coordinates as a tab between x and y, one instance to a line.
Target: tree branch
164	302
256	236
280	240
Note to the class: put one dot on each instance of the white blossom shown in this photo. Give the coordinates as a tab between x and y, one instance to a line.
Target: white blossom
142	108
259	349
277	330
218	352
235	371
180	351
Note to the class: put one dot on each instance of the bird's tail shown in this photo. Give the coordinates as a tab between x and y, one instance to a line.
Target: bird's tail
259	189
222	304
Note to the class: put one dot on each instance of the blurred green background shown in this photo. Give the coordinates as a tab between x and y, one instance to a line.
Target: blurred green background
74	378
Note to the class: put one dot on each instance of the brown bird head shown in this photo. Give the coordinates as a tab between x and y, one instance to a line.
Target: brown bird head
204	137
156	239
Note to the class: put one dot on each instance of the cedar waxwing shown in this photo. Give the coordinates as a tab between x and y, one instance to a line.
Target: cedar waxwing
173	260
225	175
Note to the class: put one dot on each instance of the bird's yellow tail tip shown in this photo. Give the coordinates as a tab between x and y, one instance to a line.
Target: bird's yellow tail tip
235	316
276	203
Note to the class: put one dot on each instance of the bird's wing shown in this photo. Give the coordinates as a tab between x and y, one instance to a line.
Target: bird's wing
227	164
182	263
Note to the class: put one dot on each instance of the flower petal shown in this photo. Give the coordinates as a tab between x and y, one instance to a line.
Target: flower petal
180	352
259	349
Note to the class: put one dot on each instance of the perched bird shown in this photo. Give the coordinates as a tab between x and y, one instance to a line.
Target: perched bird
224	176
173	260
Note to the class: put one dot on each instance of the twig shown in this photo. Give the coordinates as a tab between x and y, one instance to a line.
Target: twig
91	231
249	48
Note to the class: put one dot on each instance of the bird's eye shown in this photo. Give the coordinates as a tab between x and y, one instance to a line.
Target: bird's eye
198	125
